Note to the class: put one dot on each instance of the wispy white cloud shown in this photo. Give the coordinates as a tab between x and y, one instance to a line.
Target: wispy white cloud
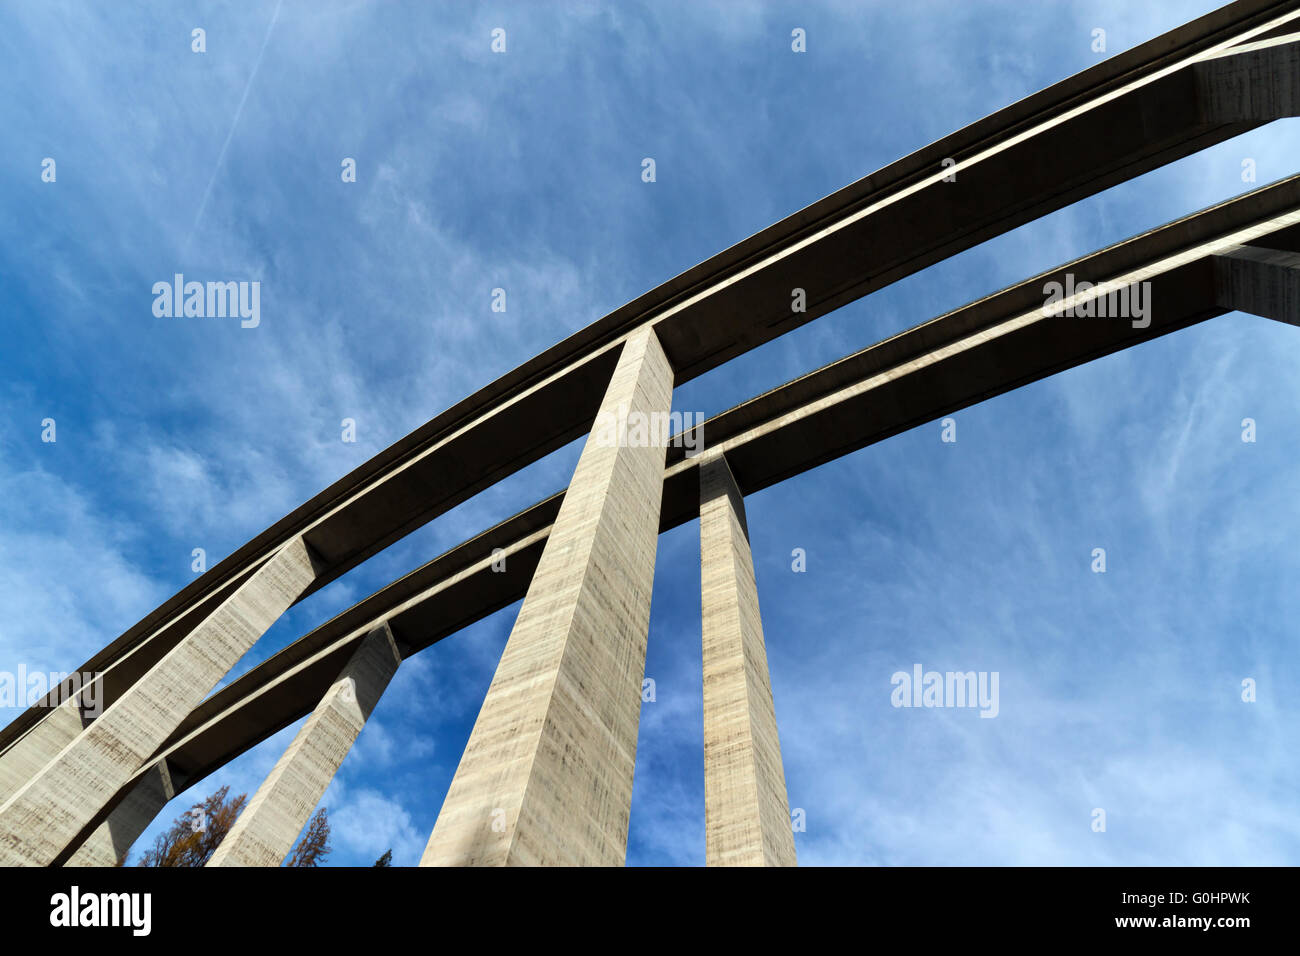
521	171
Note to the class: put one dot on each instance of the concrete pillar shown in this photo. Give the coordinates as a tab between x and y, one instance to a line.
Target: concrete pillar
48	812
1255	81
1260	280
266	829
56	727
546	778
746	812
36	748
110	842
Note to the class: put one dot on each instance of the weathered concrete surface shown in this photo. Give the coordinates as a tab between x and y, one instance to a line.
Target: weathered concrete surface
746	811
546	778
51	809
1262	281
35	749
1199	84
951	362
1258	80
264	833
111	841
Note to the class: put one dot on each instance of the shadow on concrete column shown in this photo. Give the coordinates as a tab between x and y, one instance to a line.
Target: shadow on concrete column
1261	280
111	841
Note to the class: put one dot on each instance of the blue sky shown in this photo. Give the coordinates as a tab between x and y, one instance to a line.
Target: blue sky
522	171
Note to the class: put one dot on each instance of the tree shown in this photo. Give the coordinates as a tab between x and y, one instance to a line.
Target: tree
386	859
195	834
315	843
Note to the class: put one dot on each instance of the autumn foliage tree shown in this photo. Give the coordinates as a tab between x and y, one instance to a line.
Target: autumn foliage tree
195	835
315	843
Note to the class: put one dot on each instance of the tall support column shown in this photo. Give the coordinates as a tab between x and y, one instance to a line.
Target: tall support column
746	811
68	709
48	812
36	748
546	778
264	833
110	842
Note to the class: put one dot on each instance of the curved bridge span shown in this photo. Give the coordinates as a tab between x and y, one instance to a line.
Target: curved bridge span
546	776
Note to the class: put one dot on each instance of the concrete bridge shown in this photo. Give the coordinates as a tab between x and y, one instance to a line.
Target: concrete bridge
546	777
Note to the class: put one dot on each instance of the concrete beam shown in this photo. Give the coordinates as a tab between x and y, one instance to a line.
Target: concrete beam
265	831
50	811
546	778
480	576
983	349
1164	99
746	811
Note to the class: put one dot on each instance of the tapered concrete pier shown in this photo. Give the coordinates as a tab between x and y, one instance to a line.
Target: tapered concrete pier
111	841
29	755
264	833
546	778
48	812
746	811
547	775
